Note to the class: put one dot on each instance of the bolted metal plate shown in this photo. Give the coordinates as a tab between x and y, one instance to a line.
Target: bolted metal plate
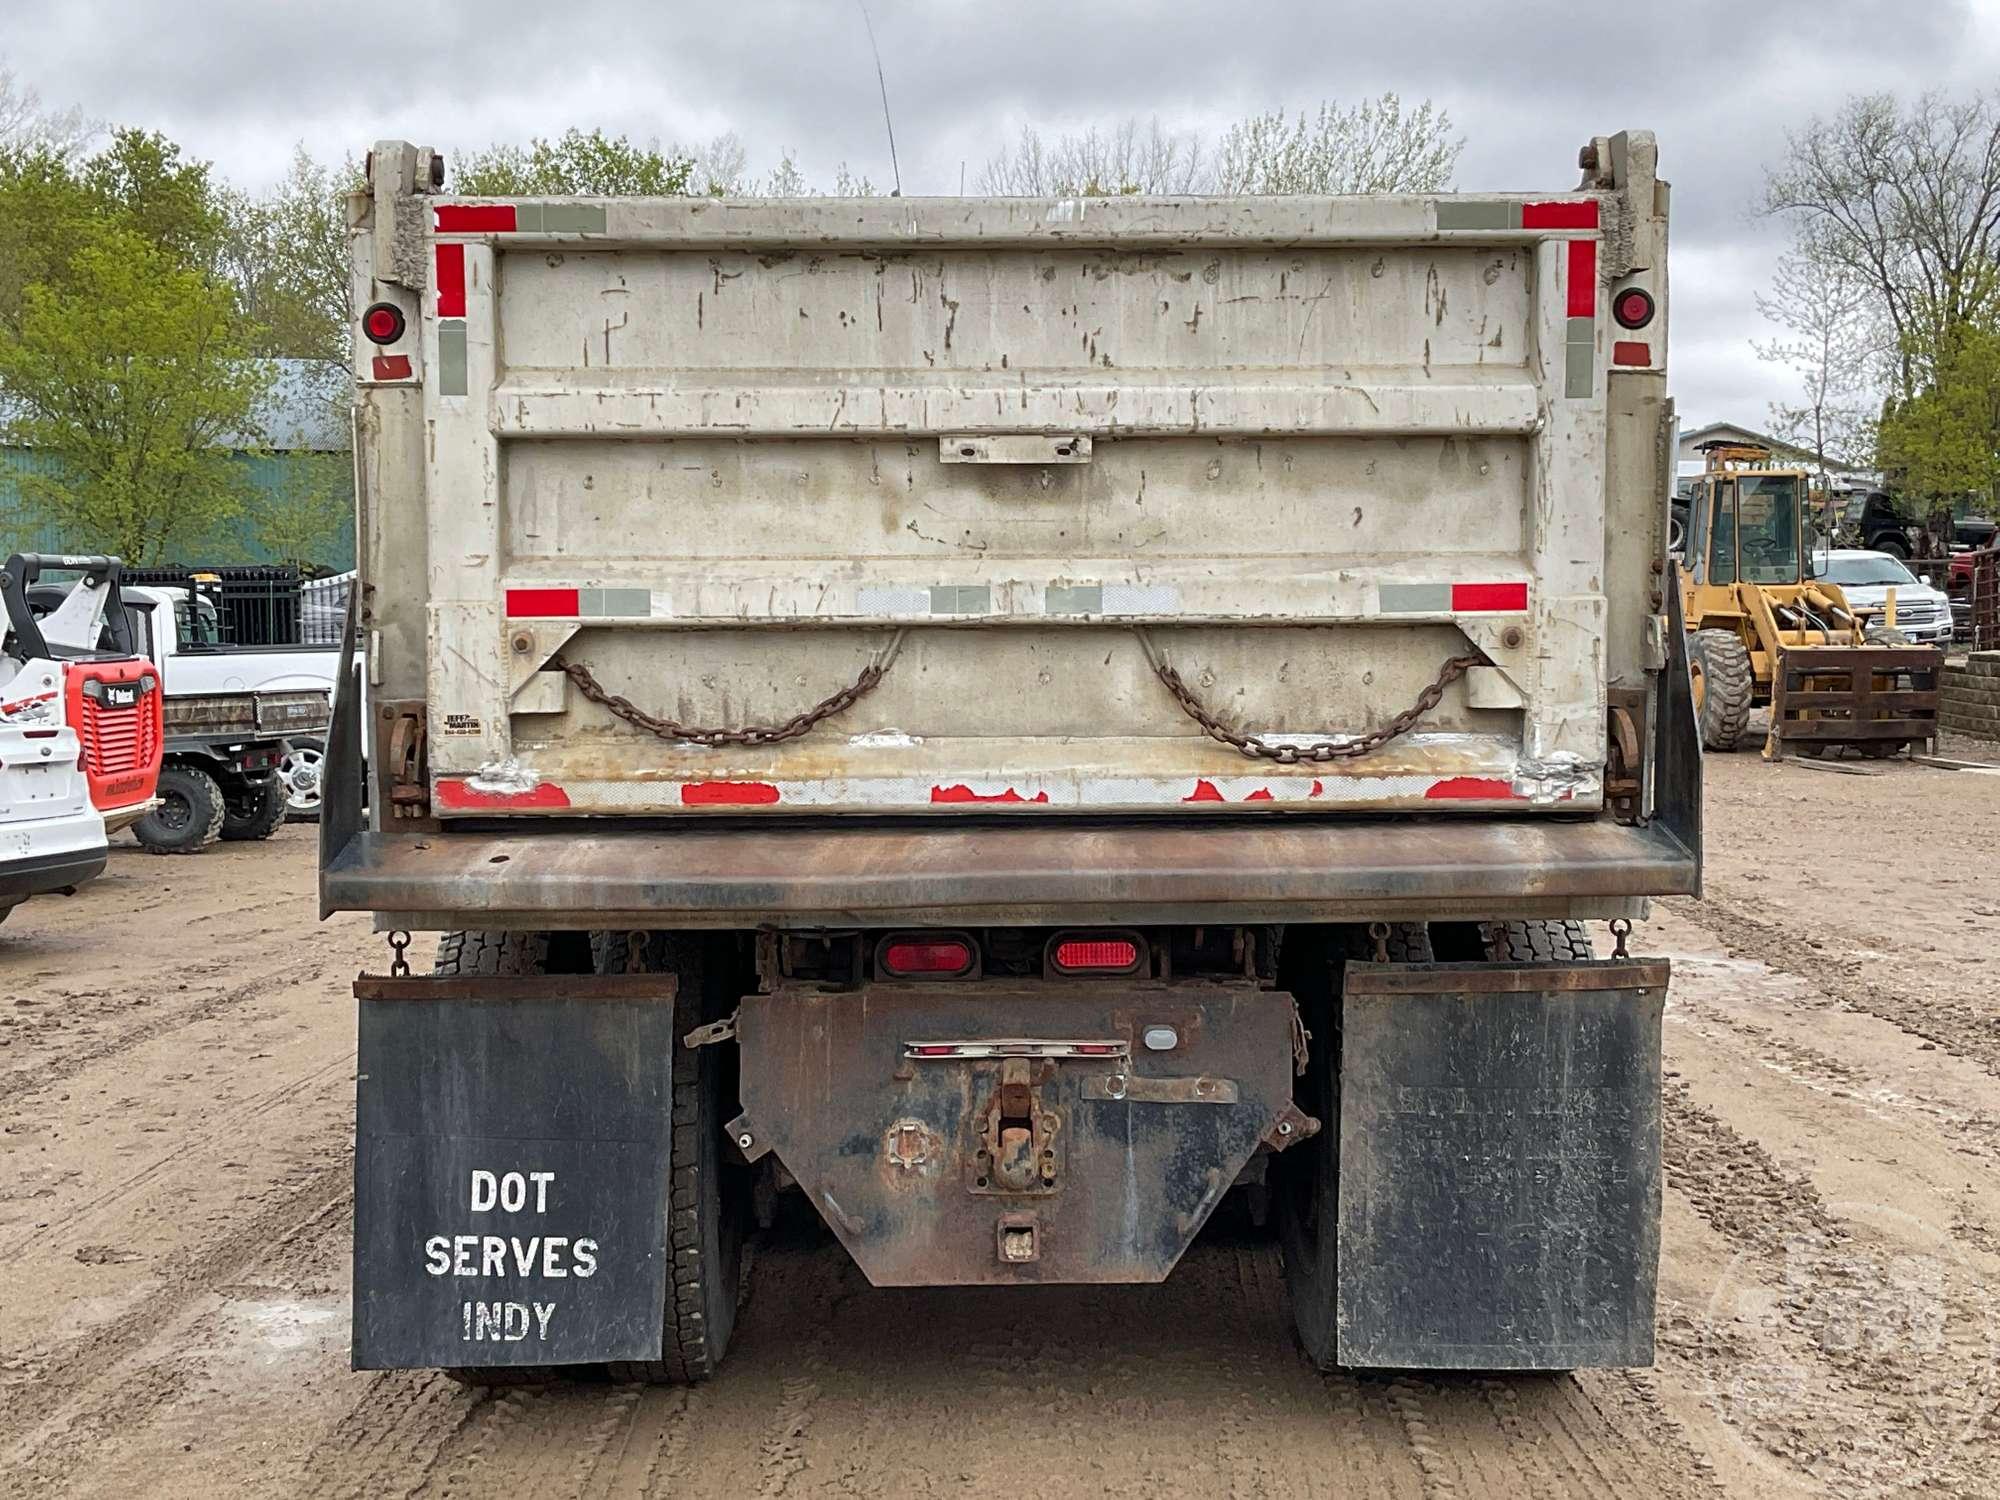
1499	1165
1131	1156
510	1177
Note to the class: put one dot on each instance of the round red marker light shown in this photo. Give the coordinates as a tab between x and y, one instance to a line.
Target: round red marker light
383	323
1633	308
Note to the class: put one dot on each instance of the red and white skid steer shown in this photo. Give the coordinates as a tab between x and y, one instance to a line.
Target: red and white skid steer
79	727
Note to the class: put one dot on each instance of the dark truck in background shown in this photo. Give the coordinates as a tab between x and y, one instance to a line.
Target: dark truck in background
1010	720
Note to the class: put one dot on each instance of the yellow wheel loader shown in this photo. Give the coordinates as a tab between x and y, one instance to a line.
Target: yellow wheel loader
1762	629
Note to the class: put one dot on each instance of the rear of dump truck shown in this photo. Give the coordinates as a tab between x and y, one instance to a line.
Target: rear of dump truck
1012	721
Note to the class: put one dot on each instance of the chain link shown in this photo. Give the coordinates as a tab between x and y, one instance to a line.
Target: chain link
750	734
399	942
1320	750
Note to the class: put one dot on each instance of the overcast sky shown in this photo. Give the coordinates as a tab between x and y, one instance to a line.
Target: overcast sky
1526	82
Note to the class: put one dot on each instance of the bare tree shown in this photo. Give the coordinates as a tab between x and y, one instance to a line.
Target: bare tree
26	123
1126	158
720	167
1835	344
1372	147
1908	201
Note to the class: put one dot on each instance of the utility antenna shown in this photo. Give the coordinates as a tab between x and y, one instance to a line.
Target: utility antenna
883	84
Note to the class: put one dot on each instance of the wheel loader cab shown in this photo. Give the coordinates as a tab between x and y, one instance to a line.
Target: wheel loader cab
1746	528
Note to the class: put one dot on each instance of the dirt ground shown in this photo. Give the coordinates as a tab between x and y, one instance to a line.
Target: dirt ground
176	1055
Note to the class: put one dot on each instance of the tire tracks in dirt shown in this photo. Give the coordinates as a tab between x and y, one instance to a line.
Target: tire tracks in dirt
1968	1029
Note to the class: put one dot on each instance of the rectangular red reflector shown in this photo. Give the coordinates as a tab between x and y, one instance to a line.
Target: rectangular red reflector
1469	597
1583	278
916	957
1575	213
475	218
1628	352
1099	1049
945	1049
523	602
392	367
1096	953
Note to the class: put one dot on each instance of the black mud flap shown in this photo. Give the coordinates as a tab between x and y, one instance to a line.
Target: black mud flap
1499	1165
510	1170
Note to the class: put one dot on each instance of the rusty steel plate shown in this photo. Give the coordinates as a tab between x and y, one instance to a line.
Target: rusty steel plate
1115	1163
1499	1165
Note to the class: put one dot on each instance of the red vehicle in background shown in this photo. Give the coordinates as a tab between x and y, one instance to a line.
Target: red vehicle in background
111	695
115	705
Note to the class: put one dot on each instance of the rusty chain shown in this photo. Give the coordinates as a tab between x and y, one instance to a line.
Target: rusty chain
872	674
1320	750
750	734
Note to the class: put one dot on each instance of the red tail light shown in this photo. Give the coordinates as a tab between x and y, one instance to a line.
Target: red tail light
910	957
1103	953
383	323
1633	308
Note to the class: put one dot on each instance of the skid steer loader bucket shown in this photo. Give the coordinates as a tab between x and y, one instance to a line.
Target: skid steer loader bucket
1876	698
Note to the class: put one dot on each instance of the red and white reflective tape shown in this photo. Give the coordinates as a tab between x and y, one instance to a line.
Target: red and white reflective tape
911	793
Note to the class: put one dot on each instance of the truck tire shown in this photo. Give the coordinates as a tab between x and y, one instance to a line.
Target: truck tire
1536	942
1720	663
708	1200
1308	1176
261	813
189	816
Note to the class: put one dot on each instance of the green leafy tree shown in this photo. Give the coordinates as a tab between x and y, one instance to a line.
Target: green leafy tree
286	252
1945	441
133	372
576	163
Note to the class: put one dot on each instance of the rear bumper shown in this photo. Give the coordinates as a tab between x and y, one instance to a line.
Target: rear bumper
1267	870
38	874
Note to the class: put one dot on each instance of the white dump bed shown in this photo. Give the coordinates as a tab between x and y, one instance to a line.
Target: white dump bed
725	459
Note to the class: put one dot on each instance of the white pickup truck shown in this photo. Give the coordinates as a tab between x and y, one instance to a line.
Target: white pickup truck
231	715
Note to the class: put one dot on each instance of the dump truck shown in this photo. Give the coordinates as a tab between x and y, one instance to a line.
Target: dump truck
1013	723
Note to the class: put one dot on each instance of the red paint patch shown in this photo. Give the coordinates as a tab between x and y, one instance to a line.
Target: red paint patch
1317	788
1583	278
1627	352
963	793
1262	794
1564	213
451	281
462	796
392	367
1473	788
1205	791
475	218
1469	598
522	602
728	794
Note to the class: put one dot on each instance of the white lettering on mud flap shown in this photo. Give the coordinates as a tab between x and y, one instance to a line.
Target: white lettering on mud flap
533	1259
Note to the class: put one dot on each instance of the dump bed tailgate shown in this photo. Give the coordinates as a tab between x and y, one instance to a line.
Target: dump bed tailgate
977	471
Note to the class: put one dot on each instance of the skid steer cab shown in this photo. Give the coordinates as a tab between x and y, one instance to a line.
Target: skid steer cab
1763	630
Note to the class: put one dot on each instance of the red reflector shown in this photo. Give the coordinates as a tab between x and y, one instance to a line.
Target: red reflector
1583	278
1574	213
943	1049
451	281
1098	1049
392	367
475	218
1468	597
522	602
914	957
1096	953
1626	352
